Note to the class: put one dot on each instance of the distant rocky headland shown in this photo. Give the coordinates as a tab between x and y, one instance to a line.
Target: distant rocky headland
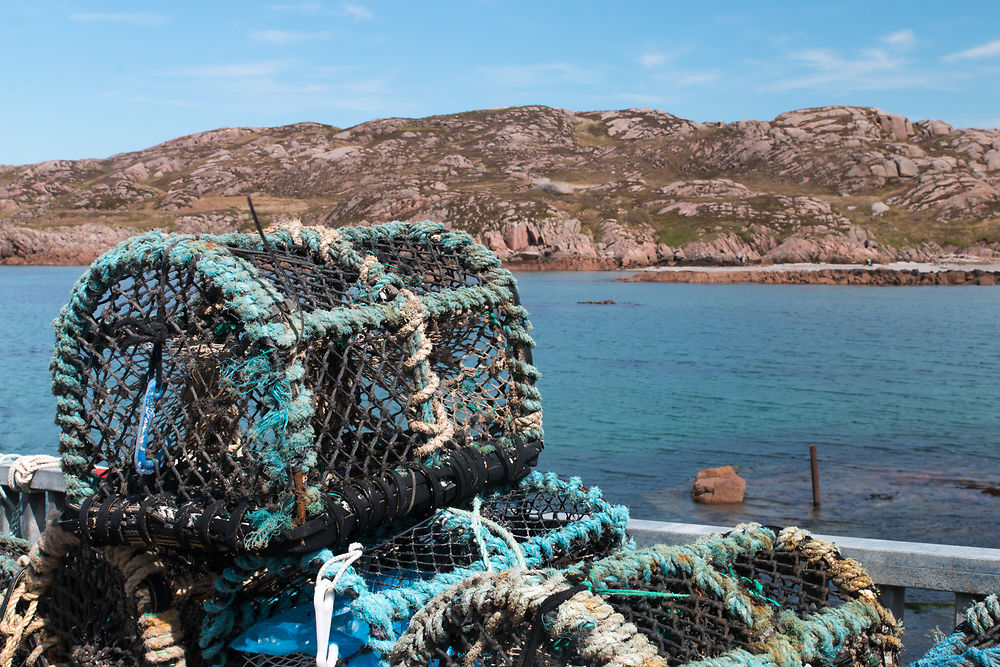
549	188
826	274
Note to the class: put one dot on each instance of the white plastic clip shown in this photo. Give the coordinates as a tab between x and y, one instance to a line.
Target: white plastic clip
323	605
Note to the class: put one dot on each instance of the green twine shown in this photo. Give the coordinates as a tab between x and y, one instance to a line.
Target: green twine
633	592
758	588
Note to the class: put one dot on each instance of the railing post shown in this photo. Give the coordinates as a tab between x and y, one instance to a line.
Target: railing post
893	598
7	512
33	509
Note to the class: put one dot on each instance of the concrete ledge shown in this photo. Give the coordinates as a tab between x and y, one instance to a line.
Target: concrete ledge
49	479
943	567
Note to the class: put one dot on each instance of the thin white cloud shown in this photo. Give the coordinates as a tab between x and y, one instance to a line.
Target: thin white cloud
652	59
282	37
233	70
356	12
166	102
299	7
901	39
871	69
135	18
644	99
521	76
987	50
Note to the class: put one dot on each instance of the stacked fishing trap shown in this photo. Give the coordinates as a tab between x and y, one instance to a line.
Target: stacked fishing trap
975	642
289	390
749	597
313	446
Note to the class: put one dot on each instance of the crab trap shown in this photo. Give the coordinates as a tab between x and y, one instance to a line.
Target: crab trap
264	612
975	642
113	606
289	390
664	606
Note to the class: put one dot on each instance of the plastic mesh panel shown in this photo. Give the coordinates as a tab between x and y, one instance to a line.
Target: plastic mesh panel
262	660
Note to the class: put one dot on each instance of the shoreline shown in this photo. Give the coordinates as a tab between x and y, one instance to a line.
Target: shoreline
951	272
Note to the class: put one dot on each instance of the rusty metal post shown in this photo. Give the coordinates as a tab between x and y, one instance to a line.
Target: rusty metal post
815	474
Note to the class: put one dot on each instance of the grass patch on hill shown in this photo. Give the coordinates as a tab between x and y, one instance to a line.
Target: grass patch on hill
589	132
899	227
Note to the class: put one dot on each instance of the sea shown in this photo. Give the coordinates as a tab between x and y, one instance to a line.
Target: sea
897	387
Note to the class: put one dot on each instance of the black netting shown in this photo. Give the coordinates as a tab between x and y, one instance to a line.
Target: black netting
675	604
313	284
788	579
686	629
95	606
440	544
424	267
988	638
162	331
12	549
89	617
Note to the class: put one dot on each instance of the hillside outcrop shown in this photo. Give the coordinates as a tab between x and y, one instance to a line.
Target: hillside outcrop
548	188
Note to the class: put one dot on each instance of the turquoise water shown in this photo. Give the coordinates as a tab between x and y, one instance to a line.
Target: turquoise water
898	388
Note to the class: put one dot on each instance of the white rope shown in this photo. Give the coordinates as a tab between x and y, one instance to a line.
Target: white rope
442	429
323	597
476	523
294	228
366	266
22	470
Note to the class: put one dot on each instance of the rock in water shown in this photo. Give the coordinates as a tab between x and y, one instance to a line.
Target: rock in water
718	486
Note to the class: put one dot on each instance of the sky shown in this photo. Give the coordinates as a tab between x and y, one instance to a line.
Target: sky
91	79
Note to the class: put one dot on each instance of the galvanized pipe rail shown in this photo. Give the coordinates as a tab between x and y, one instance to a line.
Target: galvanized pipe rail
968	572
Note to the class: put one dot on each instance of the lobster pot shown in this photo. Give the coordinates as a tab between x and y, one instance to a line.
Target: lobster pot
541	522
295	388
975	642
13	558
656	606
110	606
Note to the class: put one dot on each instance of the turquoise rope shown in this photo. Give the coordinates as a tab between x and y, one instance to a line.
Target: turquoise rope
383	609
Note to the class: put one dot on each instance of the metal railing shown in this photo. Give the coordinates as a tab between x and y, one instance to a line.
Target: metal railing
25	513
968	572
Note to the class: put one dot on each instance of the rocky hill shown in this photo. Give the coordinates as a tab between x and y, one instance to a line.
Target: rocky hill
548	187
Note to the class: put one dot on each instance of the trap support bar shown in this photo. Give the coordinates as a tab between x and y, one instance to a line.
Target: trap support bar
349	510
